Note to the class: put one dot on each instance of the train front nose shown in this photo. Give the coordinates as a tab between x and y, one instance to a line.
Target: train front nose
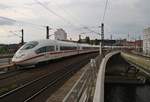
18	58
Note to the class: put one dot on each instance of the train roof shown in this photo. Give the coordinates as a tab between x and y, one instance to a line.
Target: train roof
53	42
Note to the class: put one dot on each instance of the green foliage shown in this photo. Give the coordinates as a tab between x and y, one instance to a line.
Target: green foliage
4	50
96	42
87	40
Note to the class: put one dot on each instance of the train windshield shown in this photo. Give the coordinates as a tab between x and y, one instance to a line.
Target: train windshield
29	45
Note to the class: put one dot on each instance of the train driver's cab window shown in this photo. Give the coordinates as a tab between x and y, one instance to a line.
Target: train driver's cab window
29	45
41	50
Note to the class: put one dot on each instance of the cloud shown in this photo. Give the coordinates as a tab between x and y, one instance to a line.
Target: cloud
122	17
6	21
128	17
3	6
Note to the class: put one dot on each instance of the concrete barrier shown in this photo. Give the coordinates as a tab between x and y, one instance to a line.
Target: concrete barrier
99	90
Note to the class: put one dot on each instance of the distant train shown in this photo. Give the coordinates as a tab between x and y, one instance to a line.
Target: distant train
34	52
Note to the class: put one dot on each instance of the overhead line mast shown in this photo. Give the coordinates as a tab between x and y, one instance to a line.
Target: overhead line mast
22	37
102	28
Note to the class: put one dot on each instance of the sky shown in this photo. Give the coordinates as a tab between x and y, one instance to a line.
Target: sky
122	18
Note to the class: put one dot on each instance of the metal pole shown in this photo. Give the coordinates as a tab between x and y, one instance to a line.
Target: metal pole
102	37
111	41
47	32
22	37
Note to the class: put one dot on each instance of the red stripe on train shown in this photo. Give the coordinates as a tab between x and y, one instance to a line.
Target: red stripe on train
51	53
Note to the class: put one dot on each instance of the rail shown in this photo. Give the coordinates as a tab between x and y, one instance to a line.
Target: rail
6	65
84	87
6	55
99	90
33	88
137	65
141	54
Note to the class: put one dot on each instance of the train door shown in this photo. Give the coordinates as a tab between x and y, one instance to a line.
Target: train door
41	51
47	52
56	50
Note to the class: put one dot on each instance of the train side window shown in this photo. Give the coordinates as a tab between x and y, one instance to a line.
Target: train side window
68	48
50	48
41	50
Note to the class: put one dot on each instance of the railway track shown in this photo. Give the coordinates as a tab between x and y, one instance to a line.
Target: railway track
58	79
32	89
18	71
11	74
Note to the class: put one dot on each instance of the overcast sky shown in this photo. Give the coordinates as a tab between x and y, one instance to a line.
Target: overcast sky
123	17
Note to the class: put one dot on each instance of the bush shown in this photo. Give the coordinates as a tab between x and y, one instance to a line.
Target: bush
3	50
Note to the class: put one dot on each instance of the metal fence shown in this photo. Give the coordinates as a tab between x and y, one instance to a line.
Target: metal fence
83	90
5	61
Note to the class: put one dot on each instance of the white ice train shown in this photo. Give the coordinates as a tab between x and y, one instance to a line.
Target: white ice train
34	52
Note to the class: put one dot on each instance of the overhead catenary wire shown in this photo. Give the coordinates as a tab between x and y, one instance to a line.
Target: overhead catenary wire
66	20
12	20
76	19
30	23
105	9
66	11
13	32
54	13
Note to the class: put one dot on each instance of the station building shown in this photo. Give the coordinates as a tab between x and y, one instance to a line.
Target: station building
60	34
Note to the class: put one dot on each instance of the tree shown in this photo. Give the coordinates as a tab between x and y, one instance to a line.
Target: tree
3	50
80	40
87	39
96	42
